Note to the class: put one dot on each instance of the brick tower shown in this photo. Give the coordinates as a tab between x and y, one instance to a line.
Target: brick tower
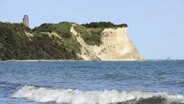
26	20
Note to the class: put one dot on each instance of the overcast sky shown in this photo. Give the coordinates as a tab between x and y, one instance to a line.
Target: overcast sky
155	26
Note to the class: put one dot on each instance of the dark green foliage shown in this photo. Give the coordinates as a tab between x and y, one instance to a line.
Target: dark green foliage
11	37
15	44
46	27
91	32
62	28
90	36
52	48
103	25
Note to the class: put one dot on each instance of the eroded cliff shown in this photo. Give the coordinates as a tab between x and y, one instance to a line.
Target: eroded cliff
67	41
115	45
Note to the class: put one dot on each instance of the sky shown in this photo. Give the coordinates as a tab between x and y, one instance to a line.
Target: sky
155	26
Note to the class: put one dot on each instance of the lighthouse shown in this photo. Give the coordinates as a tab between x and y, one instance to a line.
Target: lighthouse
26	20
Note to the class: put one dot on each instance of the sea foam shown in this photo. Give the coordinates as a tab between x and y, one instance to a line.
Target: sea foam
70	96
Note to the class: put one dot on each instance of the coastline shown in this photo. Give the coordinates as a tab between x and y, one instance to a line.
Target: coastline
55	60
60	60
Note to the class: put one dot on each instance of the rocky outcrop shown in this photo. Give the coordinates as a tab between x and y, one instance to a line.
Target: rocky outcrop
115	46
67	41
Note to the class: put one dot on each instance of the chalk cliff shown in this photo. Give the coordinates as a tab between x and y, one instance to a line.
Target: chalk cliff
115	46
67	41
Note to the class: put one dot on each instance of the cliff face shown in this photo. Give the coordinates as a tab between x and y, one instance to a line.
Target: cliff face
115	45
97	41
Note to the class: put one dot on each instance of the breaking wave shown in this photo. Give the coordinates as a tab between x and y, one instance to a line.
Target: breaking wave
70	96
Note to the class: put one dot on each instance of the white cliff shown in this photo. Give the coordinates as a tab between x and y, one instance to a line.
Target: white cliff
115	46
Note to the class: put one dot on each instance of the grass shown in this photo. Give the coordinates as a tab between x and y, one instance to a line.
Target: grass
91	36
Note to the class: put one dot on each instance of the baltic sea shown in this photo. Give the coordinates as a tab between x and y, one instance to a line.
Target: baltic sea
97	82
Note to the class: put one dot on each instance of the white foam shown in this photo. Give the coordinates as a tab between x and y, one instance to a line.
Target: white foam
87	97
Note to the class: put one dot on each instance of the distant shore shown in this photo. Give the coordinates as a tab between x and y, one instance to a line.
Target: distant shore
45	60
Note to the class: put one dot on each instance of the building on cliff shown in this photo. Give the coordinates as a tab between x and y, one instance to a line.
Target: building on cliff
26	20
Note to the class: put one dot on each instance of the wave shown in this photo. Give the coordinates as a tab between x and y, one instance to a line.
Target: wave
70	96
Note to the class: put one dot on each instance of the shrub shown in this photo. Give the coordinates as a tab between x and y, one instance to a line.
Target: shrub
103	25
90	36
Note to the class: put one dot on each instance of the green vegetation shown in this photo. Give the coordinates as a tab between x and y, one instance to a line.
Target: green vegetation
91	32
46	27
12	41
103	25
90	36
48	41
62	28
15	44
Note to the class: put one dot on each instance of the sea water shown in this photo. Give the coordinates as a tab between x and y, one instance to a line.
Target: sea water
97	82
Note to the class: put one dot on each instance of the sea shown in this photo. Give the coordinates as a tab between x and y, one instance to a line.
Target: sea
92	82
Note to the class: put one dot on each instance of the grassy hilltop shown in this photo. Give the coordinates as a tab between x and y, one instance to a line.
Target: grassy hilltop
48	41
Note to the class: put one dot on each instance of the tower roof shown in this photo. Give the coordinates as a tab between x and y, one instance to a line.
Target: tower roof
26	16
26	20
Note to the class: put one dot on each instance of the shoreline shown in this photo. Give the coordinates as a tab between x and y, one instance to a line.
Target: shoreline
55	60
60	60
